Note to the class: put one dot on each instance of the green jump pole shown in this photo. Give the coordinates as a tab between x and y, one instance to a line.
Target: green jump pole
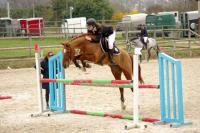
100	83
101	114
67	81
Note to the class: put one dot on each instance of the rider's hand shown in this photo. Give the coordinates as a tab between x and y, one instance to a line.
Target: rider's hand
88	38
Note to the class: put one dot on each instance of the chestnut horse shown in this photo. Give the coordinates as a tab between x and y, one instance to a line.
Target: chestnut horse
90	51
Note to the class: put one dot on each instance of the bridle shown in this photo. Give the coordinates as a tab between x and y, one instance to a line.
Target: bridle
68	51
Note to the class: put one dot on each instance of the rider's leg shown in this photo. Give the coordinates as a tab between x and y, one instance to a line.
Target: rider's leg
111	40
143	41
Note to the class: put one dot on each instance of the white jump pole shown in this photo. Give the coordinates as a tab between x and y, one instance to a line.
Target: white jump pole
136	92
38	75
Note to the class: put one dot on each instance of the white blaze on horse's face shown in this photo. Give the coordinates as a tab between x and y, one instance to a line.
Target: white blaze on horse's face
66	59
64	51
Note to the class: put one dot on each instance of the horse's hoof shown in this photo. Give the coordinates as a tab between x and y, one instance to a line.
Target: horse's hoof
83	69
124	107
88	66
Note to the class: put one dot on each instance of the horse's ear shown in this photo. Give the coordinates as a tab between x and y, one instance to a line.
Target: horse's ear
64	44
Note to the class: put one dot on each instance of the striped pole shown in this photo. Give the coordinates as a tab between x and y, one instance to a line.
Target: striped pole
38	74
5	97
101	83
102	114
67	81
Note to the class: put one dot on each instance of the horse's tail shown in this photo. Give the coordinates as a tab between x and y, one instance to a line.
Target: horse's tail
139	70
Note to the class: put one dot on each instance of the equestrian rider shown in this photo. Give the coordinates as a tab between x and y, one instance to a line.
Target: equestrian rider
101	31
143	35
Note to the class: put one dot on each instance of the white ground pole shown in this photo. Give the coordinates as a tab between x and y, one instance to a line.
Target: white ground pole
39	88
136	92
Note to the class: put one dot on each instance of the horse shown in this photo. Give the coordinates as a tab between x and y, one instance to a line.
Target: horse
151	43
90	51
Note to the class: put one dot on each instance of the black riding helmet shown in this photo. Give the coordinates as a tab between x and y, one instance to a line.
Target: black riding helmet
91	21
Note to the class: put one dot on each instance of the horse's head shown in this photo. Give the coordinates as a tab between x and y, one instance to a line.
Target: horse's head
73	48
68	54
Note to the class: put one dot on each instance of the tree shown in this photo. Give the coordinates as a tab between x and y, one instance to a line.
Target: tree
134	12
59	8
184	5
93	8
155	9
3	12
118	16
44	11
21	13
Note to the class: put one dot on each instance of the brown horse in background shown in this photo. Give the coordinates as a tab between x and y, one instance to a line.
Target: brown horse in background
87	50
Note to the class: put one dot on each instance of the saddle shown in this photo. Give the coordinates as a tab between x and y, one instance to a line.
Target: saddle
105	47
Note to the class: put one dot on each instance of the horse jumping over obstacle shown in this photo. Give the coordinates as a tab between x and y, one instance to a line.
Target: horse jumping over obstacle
90	51
169	79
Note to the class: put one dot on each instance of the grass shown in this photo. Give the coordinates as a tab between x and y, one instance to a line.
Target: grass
180	52
17	64
6	43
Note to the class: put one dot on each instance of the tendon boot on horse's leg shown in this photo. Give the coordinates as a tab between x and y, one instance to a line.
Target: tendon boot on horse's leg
123	106
110	56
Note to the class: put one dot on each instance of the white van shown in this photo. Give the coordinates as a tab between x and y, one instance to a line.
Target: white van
135	18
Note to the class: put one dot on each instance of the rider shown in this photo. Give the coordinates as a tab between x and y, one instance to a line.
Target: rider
101	31
143	35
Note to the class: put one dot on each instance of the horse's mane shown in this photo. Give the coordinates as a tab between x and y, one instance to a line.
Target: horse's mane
82	35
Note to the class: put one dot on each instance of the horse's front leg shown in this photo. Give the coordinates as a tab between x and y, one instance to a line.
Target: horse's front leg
84	65
76	63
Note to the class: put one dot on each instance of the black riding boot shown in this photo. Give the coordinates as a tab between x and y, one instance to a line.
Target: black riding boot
110	56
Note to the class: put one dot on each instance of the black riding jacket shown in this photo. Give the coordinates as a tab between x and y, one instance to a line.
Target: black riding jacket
102	31
143	33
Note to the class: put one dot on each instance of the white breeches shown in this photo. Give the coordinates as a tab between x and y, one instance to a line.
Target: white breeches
145	39
111	40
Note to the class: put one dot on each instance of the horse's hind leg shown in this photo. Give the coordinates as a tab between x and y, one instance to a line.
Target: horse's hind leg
149	54
128	76
117	72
